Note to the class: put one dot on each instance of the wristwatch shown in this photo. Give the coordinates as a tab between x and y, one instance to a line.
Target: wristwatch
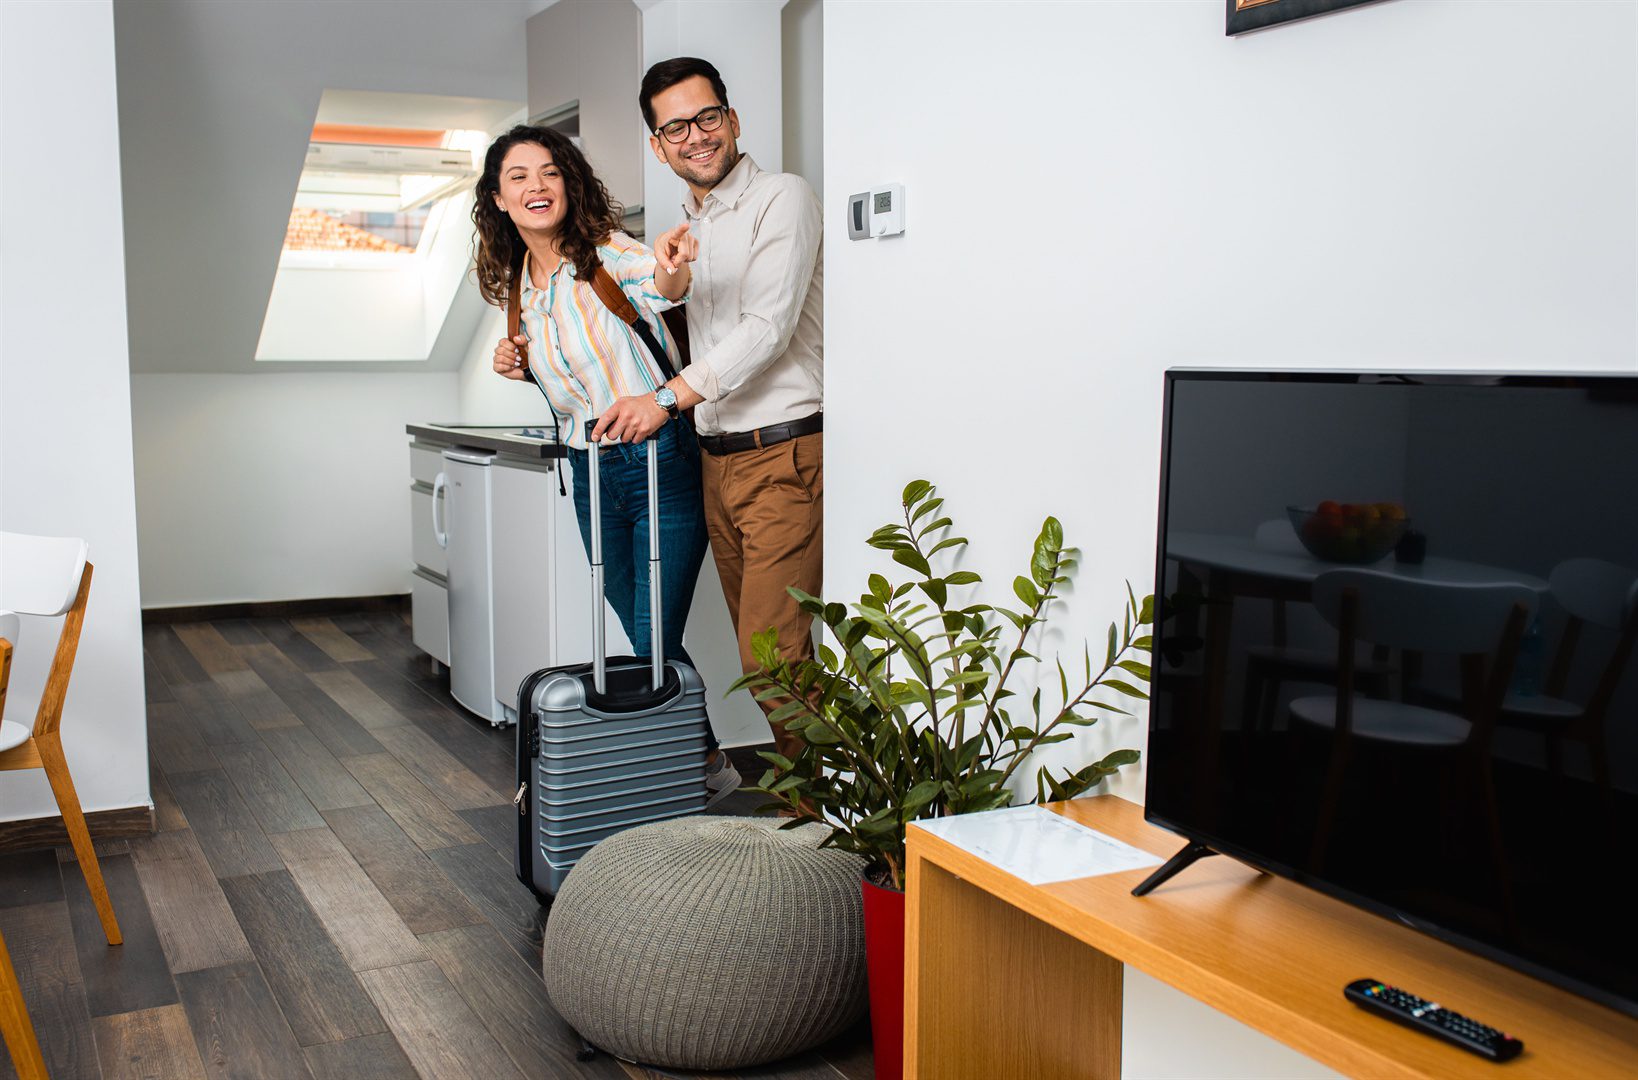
666	398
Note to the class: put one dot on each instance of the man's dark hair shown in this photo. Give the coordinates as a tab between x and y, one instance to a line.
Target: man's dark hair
668	73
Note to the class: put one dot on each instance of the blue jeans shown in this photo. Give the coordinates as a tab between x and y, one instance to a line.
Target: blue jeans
623	470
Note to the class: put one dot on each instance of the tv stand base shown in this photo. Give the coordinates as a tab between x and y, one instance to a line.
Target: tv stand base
1182	859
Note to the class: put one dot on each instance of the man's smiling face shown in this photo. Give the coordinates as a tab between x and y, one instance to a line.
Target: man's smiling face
702	158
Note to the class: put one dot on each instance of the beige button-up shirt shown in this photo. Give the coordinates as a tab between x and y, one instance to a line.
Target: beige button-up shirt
756	317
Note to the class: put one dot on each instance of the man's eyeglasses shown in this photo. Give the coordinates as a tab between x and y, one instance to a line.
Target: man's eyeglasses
708	119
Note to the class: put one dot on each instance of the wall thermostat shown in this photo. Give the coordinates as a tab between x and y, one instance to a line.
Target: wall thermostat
876	213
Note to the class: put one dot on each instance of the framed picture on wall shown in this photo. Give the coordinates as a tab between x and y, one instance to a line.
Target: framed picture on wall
1245	15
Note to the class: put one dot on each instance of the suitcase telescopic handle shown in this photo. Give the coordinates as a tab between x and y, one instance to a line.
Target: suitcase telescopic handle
655	620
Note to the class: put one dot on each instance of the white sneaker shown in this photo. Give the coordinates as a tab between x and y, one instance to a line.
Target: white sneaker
722	780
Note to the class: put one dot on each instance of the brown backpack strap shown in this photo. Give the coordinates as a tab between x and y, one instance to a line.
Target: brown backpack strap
514	305
614	298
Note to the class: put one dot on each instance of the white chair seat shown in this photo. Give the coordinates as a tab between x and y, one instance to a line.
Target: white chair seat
1386	721
13	734
1534	706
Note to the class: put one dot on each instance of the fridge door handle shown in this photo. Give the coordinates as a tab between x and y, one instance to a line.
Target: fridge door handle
439	531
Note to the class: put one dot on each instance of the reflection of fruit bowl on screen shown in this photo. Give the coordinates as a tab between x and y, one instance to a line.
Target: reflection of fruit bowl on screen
1349	532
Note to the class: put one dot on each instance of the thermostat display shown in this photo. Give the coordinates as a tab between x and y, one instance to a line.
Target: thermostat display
876	213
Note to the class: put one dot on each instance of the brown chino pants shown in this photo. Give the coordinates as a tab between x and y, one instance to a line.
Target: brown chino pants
764	511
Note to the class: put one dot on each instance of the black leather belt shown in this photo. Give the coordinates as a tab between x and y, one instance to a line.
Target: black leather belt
737	442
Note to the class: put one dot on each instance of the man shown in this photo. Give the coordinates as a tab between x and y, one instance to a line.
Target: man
756	380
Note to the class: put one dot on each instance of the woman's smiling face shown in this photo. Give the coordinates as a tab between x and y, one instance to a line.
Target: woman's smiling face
532	191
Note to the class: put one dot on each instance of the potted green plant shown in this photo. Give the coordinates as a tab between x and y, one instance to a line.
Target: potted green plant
907	713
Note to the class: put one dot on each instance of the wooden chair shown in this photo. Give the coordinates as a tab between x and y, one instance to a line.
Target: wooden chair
14	1019
46	575
1480	624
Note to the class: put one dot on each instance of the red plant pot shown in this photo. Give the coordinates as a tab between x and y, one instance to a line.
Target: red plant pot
884	955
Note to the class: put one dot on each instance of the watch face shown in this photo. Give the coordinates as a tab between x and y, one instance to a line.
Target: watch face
665	397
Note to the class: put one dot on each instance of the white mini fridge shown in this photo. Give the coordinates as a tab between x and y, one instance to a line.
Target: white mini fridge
469	523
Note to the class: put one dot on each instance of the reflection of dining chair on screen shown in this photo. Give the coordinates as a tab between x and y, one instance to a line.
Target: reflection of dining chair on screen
1480	624
1592	592
1268	667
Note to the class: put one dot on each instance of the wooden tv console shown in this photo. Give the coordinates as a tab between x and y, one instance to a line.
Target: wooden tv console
1006	979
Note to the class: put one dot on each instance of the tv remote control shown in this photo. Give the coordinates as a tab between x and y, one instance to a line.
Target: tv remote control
1433	1019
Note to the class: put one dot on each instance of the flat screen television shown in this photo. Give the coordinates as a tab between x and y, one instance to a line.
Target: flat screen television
1509	832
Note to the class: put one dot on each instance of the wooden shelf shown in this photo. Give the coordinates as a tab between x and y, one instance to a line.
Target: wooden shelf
1268	952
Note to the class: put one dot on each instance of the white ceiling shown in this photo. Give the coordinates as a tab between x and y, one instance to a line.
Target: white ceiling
216	105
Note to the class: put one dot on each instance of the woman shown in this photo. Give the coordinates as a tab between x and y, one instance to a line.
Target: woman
544	224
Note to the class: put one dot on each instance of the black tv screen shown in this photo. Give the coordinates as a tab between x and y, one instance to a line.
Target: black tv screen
1498	814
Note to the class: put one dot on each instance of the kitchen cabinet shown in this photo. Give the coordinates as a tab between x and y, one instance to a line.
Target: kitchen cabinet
534	568
429	587
590	52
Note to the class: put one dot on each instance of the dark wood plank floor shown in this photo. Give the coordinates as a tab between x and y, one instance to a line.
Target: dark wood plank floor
330	892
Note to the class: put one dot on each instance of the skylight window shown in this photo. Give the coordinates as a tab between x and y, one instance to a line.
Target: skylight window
374	258
370	191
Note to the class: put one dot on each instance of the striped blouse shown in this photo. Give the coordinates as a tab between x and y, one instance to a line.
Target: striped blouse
583	355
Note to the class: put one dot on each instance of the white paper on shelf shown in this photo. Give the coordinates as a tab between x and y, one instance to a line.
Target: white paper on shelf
1037	845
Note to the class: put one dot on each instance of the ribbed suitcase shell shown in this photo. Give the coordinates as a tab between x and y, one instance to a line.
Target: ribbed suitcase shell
585	775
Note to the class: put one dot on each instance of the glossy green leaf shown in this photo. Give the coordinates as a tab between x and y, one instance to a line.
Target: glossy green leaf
1053	531
907	556
1135	668
925	508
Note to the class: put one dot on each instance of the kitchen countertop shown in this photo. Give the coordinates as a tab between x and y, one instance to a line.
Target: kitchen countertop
505	439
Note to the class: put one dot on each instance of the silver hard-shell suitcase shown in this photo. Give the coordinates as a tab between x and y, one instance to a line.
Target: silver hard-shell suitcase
607	745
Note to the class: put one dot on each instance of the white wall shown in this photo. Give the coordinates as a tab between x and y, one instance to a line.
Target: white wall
1098	191
346	313
803	76
277	487
486	398
65	410
743	39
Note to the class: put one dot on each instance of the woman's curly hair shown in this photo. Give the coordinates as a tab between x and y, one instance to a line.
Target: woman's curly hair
498	250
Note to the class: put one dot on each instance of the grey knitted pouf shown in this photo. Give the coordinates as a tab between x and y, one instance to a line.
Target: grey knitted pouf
708	943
